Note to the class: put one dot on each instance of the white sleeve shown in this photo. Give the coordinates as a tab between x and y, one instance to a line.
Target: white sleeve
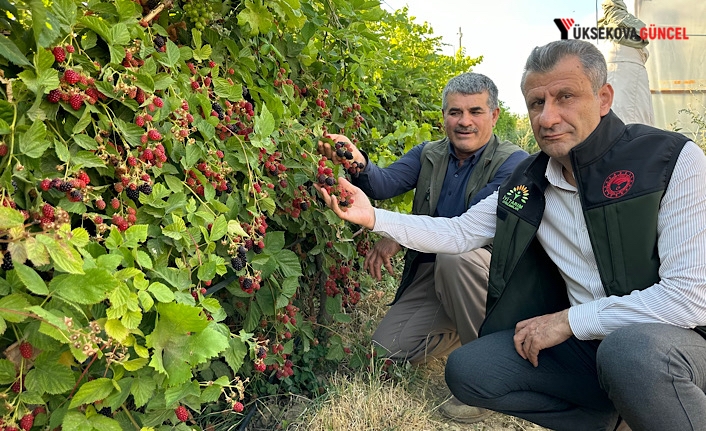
473	229
679	298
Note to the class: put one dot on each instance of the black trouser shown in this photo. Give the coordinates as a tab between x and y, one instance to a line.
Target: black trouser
655	374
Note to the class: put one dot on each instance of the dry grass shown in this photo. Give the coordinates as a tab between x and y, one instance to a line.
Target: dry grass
403	397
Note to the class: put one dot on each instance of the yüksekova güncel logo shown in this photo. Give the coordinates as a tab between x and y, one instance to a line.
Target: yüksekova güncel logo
569	29
516	197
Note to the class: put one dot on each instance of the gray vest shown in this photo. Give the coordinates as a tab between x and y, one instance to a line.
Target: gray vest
435	161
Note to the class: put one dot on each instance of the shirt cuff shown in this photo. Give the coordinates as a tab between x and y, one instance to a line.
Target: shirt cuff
584	321
383	220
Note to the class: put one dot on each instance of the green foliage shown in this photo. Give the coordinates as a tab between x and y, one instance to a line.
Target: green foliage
162	242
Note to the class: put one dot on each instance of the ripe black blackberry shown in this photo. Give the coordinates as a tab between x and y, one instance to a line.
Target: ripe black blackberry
330	181
256	248
159	40
145	188
76	195
7	262
229	188
133	194
65	186
247	283
219	110
348	155
241	252
340	152
304	206
237	263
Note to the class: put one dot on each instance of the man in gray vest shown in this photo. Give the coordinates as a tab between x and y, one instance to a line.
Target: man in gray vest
440	303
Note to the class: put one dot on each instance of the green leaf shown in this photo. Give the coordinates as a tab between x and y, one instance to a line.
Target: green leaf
131	132
257	17
10	51
235	354
85	142
207	271
333	304
143	259
142	389
288	263
75	421
104	423
65	258
203	53
234	228
32	281
10	218
173	395
127	9
86	159
89	288
32	142
65	11
226	90
342	318
115	329
274	242
62	151
7	372
12	308
92	391
145	82
118	34
49	375
161	292
264	123
83	122
36	252
173	55
219	228
79	237
135	235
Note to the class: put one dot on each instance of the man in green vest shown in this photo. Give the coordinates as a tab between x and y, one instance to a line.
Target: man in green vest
597	288
440	302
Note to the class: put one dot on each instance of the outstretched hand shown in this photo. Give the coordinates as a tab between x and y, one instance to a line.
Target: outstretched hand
360	212
380	256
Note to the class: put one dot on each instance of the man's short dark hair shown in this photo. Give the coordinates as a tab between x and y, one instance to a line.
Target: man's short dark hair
544	58
471	83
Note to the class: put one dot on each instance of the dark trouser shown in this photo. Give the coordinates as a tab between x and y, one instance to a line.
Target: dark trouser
655	375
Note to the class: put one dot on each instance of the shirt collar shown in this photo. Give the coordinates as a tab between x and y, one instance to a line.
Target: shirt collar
555	176
472	159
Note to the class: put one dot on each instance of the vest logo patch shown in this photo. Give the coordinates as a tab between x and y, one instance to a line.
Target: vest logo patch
516	197
617	184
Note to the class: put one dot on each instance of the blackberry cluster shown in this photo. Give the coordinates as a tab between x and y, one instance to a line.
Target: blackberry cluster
219	110
7	262
247	283
238	262
64	186
133	193
341	151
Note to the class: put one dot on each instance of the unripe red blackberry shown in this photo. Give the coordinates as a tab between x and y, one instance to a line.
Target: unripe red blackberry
59	54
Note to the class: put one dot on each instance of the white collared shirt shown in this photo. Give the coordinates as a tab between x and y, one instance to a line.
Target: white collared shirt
678	299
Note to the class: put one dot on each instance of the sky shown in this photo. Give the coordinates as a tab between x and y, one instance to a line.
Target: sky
502	31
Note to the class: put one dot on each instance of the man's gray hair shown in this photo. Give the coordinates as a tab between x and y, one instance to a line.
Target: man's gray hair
470	83
544	58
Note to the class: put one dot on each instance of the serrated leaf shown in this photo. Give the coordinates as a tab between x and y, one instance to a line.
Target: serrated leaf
10	51
65	258
79	237
12	308
264	123
83	122
173	395
86	159
131	132
145	82
89	288
219	227
288	263
10	218
32	142
142	389
36	252
115	329
257	17
92	391
65	11
32	281
118	34
226	90
7	372
104	423
173	55
85	142
62	151
143	259
75	421
49	376
161	292
235	354
206	271
342	318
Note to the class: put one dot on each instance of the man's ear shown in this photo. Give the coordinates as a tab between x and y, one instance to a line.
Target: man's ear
496	115
605	95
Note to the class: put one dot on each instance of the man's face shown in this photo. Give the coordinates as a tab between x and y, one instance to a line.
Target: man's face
563	108
469	122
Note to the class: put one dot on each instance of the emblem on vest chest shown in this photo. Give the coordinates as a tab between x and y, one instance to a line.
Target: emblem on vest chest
516	197
617	184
